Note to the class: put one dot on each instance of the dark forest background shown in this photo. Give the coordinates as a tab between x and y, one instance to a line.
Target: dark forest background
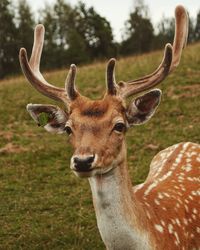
79	34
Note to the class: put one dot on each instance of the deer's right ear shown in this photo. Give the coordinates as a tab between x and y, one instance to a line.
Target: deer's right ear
51	117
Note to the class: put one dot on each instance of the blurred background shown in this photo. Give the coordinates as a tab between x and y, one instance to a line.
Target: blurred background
81	32
43	205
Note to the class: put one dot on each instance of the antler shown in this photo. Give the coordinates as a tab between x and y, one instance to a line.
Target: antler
170	61
110	77
70	83
31	70
181	35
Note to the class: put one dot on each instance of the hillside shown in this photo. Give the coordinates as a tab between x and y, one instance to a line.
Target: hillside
43	205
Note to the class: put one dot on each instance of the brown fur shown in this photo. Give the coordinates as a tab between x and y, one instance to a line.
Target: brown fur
174	210
93	122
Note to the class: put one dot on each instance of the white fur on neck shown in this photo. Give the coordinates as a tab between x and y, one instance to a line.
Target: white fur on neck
115	229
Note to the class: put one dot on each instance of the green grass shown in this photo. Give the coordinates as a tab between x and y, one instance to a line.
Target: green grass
43	205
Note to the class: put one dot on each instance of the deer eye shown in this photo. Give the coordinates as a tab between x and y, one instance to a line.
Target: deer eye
68	130
119	127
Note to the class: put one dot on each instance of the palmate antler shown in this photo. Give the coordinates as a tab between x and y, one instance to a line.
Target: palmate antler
170	61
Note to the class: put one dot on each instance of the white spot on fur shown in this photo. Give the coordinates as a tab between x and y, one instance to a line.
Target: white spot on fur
178	222
159	228
177	238
166	194
188	168
197	179
188	160
192	236
194	216
170	228
185	221
138	187
185	145
148	215
160	196
162	222
195	211
178	160
150	187
194	193
157	202
147	204
186	208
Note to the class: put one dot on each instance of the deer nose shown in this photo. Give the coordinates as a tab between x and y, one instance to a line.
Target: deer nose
83	164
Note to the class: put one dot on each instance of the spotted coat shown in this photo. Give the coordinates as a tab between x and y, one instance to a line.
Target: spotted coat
170	198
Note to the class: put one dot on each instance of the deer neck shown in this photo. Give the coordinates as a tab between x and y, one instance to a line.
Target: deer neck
117	210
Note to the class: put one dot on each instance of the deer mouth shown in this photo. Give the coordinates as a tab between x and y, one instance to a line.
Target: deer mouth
85	173
97	171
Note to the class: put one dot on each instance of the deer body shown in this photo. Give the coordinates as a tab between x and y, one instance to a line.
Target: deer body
164	206
163	212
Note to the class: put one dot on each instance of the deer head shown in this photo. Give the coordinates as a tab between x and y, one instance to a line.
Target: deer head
97	128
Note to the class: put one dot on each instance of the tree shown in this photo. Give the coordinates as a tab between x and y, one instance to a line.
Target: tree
49	57
165	32
77	34
96	32
197	27
166	29
139	31
26	24
191	30
8	45
77	51
62	42
63	13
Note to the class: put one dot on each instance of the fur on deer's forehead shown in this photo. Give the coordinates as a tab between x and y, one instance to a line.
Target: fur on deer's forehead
108	106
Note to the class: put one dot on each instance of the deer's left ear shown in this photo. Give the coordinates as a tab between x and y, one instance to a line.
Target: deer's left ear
143	107
51	117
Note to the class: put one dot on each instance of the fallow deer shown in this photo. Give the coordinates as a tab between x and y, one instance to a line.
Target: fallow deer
161	213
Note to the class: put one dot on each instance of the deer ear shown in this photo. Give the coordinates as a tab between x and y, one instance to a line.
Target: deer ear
52	118
143	107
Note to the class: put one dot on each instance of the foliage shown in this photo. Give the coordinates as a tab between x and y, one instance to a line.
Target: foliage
139	31
8	45
57	20
95	31
165	32
79	34
25	26
197	27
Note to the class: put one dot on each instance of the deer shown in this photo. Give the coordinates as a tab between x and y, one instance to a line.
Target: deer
164	211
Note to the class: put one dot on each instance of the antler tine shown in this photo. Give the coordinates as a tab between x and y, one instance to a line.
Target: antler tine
31	69
110	77
181	35
70	83
37	49
127	90
180	39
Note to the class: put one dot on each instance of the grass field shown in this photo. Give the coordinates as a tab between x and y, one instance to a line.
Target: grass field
42	204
